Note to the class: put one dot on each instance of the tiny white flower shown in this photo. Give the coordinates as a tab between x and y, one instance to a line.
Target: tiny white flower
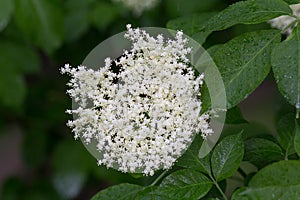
144	115
284	21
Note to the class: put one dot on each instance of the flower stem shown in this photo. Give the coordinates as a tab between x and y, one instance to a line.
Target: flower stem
218	187
158	178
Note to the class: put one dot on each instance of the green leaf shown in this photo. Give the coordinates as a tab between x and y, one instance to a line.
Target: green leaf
280	180
286	67
191	160
261	152
6	10
41	22
248	12
287	174
76	20
123	191
103	14
244	62
297	138
286	132
234	116
191	25
184	184
147	194
227	156
292	1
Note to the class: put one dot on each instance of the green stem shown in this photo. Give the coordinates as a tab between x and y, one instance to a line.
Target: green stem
158	178
218	187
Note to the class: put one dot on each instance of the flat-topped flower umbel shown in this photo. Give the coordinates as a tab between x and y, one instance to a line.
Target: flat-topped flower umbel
142	109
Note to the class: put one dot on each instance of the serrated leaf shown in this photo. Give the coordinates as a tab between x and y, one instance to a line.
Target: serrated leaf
248	12
280	180
184	184
41	22
282	173
286	132
227	156
191	160
6	10
123	191
234	116
147	194
286	67
261	152
244	62
191	25
297	138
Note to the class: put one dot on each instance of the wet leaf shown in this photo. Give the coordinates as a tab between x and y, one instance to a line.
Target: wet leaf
286	67
123	191
244	62
248	12
280	180
227	156
261	152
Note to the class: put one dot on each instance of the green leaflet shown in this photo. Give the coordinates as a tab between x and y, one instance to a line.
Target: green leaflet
248	12
227	156
191	160
40	21
286	67
191	25
184	184
280	180
124	191
286	132
244	62
261	152
6	10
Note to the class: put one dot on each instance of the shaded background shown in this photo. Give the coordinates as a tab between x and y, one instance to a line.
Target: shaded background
39	159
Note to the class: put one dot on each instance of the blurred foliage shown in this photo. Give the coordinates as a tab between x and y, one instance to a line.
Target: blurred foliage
36	38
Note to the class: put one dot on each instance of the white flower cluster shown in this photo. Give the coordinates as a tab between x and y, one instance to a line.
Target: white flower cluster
284	21
138	6
143	109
